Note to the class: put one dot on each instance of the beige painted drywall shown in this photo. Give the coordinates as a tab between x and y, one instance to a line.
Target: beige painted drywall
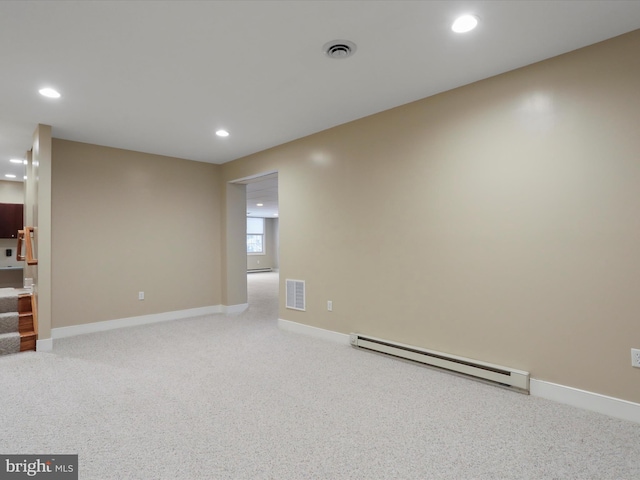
11	261
10	278
270	257
498	221
11	192
127	222
234	247
38	211
30	196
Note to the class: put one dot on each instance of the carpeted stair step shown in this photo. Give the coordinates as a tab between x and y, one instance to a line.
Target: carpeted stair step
9	343
9	322
17	322
8	300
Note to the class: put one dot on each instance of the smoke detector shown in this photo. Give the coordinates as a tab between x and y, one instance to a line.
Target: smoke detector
339	49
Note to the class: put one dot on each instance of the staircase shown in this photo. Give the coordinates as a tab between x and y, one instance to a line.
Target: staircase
18	323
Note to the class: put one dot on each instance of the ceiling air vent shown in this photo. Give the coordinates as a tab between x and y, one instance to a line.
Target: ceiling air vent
339	49
295	294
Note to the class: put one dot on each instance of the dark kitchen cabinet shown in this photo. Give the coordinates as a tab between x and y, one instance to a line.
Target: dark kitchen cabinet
10	219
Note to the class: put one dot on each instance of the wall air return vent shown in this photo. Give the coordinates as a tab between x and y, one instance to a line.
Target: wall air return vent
295	294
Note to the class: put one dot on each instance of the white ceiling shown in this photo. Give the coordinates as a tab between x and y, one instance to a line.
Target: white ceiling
262	196
162	76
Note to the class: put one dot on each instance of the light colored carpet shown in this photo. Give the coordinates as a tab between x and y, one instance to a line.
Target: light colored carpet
8	300
9	343
233	397
9	322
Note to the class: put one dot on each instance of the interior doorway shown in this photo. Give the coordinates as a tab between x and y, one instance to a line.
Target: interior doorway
262	235
11	220
263	224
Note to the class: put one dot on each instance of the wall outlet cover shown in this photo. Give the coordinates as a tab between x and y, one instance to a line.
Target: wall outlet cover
635	357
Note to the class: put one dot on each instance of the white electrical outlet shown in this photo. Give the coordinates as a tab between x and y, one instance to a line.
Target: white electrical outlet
330	305
140	295
635	357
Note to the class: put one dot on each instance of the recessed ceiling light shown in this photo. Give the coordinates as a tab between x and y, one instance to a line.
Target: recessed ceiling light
275	214
9	175
222	133
49	92
25	177
465	23
259	204
16	160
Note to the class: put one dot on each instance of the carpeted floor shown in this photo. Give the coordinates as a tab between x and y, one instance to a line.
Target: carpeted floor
233	397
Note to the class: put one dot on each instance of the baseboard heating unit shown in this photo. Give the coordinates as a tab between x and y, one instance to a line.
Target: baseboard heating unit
504	376
260	270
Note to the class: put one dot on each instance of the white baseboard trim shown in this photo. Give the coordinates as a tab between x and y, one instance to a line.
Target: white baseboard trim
232	309
595	402
62	332
44	345
313	331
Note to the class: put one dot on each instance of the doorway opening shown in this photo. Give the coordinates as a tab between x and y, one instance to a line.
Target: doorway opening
262	237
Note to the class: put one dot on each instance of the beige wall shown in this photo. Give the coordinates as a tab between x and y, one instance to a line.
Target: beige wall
38	210
498	221
270	257
10	278
30	272
12	261
127	222
234	248
11	192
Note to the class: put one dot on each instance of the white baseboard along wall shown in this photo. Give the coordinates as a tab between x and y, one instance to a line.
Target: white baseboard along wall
46	345
595	402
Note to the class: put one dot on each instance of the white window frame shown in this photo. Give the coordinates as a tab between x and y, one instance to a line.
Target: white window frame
262	234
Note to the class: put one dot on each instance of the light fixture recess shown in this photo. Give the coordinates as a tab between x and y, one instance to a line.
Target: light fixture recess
222	133
10	175
339	49
16	160
259	204
464	24
49	92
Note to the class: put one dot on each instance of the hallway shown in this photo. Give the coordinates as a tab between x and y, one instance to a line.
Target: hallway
262	293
